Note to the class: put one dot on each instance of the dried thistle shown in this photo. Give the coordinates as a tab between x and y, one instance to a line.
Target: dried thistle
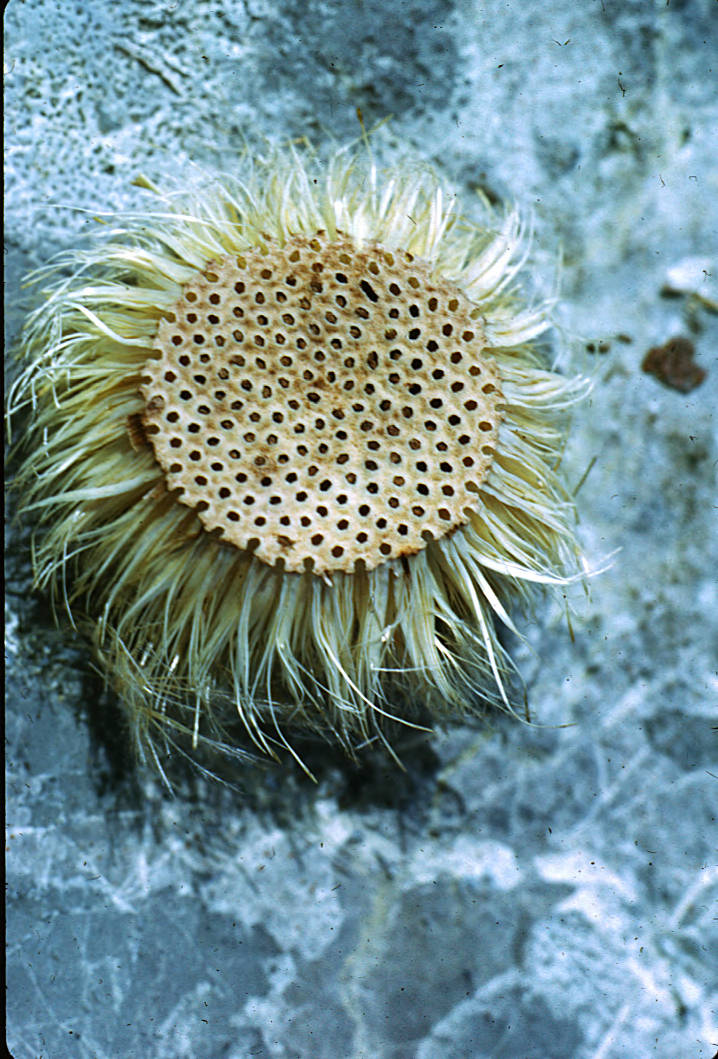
292	451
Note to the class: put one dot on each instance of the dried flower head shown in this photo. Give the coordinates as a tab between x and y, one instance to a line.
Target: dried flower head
292	451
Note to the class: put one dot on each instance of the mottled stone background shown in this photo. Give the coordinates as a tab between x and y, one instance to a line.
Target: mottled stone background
518	893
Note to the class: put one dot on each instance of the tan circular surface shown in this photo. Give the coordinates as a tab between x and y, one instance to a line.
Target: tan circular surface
317	401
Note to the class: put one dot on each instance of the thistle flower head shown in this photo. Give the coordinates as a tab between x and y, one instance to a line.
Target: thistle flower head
293	451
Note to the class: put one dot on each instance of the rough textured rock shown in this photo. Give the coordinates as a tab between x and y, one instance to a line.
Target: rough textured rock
518	891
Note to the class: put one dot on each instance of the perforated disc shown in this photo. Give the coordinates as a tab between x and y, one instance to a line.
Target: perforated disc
320	401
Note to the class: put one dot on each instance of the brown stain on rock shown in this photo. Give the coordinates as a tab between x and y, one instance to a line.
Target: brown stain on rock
673	365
